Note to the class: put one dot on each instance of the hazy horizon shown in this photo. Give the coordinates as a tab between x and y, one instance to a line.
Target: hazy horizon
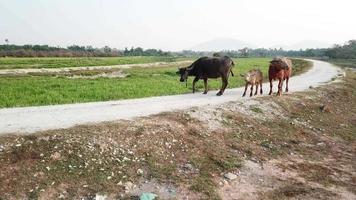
176	25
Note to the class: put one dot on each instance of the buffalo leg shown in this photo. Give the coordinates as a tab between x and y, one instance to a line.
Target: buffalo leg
280	85
251	90
261	91
270	86
287	80
256	89
205	86
194	81
223	87
246	85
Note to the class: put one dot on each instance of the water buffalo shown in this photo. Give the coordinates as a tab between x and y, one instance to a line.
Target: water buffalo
253	77
281	69
208	67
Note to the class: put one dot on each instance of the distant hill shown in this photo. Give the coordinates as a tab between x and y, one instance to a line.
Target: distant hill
219	44
305	44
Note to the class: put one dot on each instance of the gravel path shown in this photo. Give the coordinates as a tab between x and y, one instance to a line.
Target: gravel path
33	119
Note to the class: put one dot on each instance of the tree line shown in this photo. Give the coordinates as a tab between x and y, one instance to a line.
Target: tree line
9	50
345	51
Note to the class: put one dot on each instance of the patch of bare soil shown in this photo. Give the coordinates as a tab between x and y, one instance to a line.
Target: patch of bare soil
89	69
85	74
297	146
268	180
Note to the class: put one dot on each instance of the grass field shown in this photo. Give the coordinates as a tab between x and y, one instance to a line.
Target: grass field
20	63
140	82
344	62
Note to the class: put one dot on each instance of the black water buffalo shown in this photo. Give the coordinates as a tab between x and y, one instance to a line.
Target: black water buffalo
208	67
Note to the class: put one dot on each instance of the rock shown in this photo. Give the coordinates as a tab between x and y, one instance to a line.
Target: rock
189	167
321	144
100	197
148	196
230	176
55	156
302	104
325	108
172	191
129	186
140	171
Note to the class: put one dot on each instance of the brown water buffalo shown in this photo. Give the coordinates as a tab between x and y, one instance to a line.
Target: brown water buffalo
281	69
253	77
208	67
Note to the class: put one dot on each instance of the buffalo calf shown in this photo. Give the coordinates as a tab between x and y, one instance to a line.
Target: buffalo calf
253	77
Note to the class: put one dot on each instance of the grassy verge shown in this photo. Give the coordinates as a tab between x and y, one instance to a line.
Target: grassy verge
21	63
312	134
139	82
344	62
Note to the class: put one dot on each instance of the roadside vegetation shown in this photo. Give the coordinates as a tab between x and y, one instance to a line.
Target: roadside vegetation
137	82
302	146
344	62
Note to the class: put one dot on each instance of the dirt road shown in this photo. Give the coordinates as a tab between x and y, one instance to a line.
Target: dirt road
32	119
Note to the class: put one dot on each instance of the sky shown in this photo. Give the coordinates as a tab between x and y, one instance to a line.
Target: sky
175	24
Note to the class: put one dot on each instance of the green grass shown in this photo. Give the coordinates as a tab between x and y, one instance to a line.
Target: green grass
20	63
141	82
344	62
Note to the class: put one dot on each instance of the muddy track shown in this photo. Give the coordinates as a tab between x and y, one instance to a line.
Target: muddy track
33	119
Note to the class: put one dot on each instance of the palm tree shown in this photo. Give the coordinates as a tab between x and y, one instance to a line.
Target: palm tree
7	41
